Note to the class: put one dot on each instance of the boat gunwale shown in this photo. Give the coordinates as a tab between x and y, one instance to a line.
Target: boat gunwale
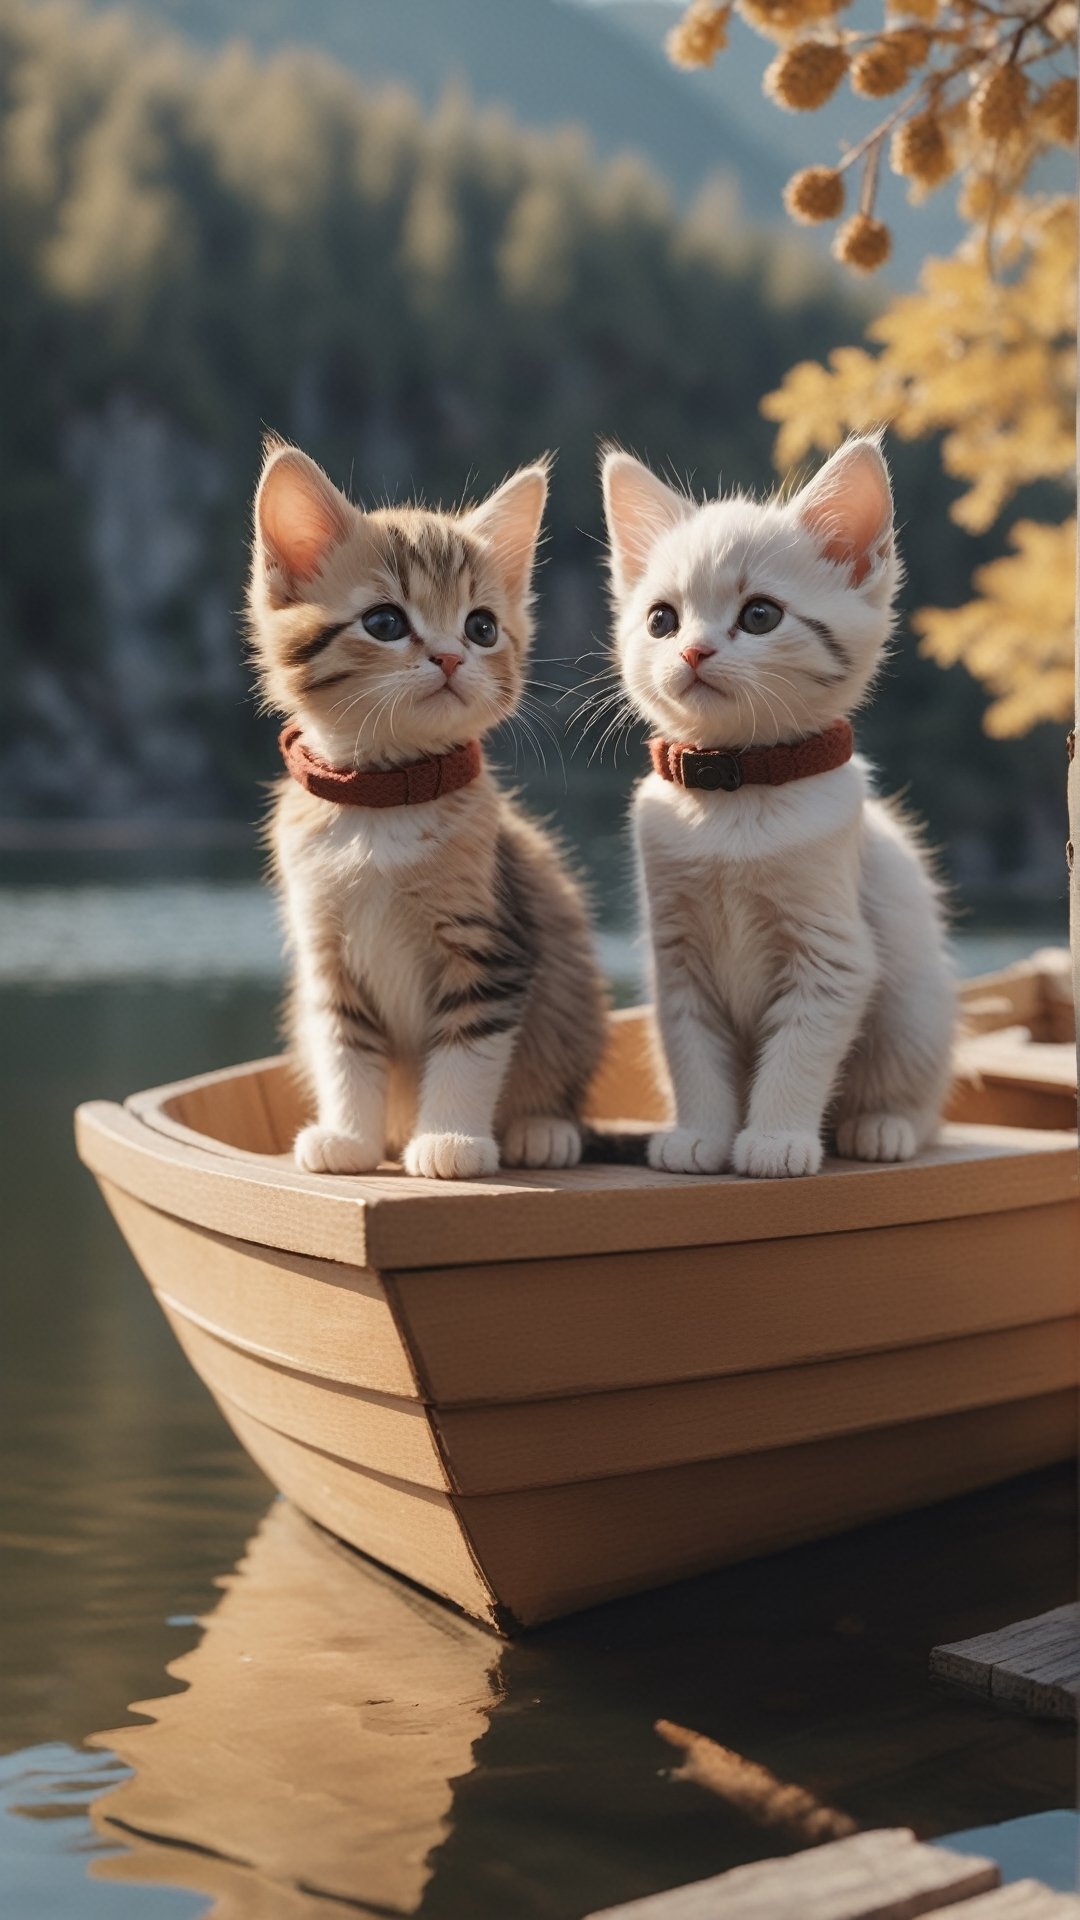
391	1222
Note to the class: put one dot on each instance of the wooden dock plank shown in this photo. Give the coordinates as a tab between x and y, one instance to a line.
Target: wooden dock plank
1033	1664
883	1875
1024	1900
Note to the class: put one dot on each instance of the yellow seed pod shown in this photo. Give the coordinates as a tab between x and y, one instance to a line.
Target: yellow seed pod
699	36
920	151
817	193
806	75
999	103
780	19
914	44
913	10
1055	112
863	243
979	197
880	69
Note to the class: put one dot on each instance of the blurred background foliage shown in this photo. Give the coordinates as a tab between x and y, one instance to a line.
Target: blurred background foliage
980	93
202	240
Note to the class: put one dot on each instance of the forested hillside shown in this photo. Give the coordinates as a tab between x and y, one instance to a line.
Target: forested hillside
197	245
547	62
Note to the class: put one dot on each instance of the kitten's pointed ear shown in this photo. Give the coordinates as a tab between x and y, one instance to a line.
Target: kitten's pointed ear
848	507
508	523
638	508
299	515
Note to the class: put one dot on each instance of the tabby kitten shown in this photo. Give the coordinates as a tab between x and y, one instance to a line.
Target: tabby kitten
802	982
446	997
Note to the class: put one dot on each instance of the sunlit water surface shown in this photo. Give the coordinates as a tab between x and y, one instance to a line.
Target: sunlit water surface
329	1736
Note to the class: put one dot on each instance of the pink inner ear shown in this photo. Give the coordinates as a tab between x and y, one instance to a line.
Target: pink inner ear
852	513
640	509
299	516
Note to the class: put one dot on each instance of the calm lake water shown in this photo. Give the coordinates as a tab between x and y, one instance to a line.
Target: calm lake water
321	1735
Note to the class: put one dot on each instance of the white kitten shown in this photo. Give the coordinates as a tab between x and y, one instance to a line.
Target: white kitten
801	977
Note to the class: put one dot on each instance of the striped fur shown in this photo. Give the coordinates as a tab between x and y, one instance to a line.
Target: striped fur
446	999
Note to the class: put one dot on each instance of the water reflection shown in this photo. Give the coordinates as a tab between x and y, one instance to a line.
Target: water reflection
326	1714
340	1738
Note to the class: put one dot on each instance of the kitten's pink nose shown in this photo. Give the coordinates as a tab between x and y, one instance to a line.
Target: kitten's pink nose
449	662
695	655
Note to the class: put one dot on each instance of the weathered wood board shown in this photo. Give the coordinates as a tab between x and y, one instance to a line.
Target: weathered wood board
883	1875
1033	1664
1024	1900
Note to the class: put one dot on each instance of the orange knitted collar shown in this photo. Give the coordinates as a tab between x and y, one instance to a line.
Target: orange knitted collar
711	770
408	786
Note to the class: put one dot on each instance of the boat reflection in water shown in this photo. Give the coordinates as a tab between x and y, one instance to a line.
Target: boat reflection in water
311	1754
342	1740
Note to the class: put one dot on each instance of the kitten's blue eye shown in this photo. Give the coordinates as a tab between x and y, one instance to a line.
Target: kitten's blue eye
481	627
386	623
662	620
760	616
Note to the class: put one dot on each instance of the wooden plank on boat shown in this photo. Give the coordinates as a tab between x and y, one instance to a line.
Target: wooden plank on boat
1010	1079
1035	992
253	1108
319	1316
630	1078
532	1443
1032	1664
577	1325
885	1874
550	1550
524	1557
415	1530
244	1197
974	1170
373	1430
1049	1066
334	1340
391	1220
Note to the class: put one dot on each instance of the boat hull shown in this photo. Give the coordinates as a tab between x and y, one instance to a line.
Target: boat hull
539	1392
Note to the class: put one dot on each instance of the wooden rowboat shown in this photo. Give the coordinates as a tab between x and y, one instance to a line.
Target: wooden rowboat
536	1392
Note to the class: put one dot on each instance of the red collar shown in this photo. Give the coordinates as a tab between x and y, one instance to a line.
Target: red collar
407	786
710	769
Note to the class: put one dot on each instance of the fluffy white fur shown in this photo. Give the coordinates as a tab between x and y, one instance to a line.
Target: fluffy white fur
801	974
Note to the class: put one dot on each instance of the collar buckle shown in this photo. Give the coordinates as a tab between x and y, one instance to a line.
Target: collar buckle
710	769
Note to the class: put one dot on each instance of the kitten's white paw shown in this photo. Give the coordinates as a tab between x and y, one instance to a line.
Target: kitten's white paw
876	1136
451	1156
539	1142
684	1151
776	1156
320	1150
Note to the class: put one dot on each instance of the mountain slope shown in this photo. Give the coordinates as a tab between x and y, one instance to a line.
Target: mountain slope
549	62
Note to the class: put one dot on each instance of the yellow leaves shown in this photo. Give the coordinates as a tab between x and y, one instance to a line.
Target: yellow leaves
1017	636
988	364
991	366
817	406
983	353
